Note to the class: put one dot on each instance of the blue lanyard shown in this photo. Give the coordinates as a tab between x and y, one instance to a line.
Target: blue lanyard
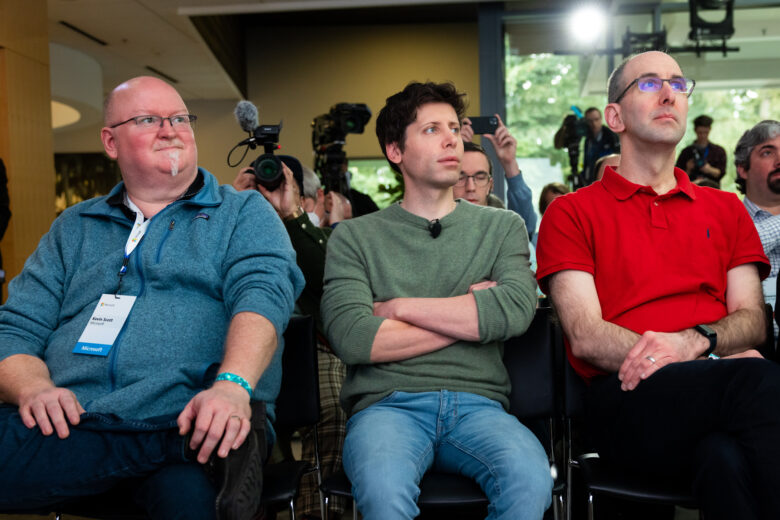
137	233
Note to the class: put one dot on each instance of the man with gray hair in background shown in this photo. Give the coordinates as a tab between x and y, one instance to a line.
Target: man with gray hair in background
757	158
313	196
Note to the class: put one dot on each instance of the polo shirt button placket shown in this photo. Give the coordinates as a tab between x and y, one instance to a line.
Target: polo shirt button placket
657	215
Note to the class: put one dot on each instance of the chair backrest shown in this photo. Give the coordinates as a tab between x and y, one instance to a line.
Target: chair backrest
530	363
574	388
298	403
768	349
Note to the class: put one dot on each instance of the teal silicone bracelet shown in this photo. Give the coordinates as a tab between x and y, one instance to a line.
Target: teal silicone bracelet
234	378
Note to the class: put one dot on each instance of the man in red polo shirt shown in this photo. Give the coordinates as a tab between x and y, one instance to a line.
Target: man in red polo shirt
650	276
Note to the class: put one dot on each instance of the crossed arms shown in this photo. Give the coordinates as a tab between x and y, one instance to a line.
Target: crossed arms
416	326
616	349
367	324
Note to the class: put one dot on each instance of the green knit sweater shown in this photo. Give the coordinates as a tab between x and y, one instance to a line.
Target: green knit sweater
391	254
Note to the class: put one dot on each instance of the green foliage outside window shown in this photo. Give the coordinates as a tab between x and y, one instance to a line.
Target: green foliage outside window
540	90
375	178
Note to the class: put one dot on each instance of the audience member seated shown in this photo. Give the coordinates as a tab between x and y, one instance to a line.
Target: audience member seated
313	196
706	183
703	158
757	157
476	180
647	295
408	307
163	367
310	243
550	192
608	160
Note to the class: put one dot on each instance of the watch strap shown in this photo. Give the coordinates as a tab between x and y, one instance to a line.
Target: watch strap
711	335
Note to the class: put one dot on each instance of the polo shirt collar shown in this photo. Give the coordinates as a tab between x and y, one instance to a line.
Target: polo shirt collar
623	189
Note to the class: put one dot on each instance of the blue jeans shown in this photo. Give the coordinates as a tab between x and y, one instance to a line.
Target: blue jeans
393	442
102	451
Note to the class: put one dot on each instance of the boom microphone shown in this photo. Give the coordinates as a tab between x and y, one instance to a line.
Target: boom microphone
246	114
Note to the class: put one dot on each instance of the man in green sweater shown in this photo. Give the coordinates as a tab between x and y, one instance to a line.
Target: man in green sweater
418	300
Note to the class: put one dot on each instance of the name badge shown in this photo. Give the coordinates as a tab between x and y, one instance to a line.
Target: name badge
107	320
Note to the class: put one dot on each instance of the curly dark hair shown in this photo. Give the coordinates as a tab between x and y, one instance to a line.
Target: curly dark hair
400	111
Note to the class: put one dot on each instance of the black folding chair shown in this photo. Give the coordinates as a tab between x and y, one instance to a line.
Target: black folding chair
298	405
599	477
530	363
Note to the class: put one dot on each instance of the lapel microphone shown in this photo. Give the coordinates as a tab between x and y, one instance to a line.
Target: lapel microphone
434	228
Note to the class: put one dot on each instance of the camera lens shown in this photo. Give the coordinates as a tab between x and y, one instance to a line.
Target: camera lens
268	171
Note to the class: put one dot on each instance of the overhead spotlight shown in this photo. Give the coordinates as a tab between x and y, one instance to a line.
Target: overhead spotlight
587	23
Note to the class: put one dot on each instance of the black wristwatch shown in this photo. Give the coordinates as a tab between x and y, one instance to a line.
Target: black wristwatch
707	332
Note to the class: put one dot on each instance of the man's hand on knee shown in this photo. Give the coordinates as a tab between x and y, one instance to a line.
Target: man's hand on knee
653	351
221	413
51	409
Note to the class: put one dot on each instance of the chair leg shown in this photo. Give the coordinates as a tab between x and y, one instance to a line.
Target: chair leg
292	509
590	506
558	507
570	463
323	502
354	510
325	510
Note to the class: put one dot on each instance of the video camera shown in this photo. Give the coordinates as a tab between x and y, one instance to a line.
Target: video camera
574	129
328	136
268	167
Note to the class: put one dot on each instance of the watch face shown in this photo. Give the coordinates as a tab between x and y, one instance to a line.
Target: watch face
706	331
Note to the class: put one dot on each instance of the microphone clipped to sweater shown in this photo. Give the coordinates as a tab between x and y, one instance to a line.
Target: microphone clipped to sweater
434	227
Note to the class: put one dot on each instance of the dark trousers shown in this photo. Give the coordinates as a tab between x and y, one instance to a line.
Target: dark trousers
145	458
715	423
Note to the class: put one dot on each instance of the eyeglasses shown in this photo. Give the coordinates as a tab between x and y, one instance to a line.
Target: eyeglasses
178	122
679	85
480	179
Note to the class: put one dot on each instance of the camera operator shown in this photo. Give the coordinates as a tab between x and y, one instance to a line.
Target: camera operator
703	159
599	141
310	243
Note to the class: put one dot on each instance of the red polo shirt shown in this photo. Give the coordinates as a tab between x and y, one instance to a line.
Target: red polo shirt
659	261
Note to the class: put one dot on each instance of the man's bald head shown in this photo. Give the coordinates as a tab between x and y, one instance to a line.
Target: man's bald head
113	100
157	158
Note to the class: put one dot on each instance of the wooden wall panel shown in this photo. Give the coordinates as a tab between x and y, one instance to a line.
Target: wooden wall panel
25	127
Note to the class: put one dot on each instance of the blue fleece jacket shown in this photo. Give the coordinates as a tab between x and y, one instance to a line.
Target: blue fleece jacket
201	261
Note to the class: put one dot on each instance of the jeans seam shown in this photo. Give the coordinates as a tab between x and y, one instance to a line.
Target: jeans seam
457	445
